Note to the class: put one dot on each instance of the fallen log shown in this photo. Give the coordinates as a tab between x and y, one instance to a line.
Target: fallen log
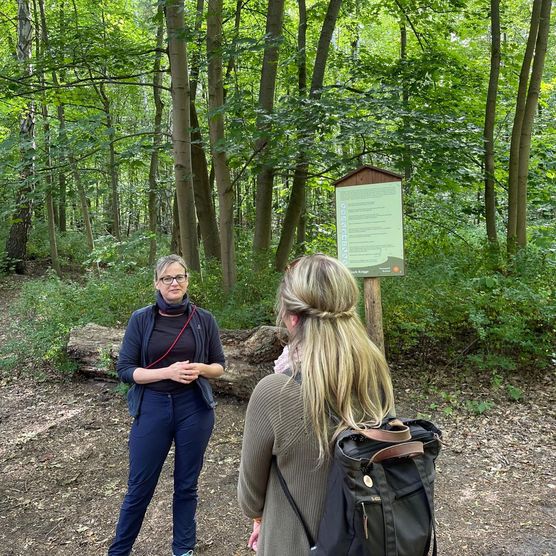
250	355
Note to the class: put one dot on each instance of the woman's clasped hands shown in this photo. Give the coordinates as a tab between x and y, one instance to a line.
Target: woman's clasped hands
183	372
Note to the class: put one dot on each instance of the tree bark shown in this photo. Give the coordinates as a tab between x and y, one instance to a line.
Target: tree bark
62	184
490	120
62	137
84	204
49	181
323	48
157	138
114	217
531	106
217	140
181	133
16	243
265	176
202	189
521	99
407	158
49	202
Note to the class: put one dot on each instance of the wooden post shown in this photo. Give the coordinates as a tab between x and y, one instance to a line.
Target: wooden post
373	311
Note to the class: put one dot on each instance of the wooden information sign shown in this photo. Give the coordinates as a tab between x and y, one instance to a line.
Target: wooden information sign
369	224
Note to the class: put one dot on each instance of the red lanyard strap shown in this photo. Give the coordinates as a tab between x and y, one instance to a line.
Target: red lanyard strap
150	365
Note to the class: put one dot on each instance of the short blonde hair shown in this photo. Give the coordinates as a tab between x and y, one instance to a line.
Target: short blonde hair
163	262
343	372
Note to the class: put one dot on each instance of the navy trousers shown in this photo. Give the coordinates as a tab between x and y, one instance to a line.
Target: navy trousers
186	420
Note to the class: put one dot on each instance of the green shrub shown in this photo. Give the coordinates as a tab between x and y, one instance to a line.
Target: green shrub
49	308
455	302
452	300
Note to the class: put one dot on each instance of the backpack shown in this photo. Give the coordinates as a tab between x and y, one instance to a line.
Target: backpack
380	492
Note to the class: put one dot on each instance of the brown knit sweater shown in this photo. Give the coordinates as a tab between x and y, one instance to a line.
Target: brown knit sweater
275	425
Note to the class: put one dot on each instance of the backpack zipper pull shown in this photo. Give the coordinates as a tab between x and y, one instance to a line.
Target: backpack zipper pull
365	520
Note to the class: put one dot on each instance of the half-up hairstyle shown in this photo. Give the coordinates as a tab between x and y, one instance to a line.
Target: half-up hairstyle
343	372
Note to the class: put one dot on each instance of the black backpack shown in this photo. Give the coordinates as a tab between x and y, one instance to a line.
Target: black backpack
380	492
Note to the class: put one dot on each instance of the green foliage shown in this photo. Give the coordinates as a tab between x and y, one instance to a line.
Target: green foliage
514	392
123	256
453	301
251	302
49	308
478	407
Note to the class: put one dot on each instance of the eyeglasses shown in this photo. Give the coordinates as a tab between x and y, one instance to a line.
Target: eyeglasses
179	278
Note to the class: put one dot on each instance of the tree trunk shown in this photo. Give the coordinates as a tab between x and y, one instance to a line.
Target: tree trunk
325	38
49	202
490	120
302	84
181	133
157	138
297	195
528	118
16	243
206	213
115	195
250	355
521	99
175	245
49	185
84	204
407	159
237	21
60	213
62	184
217	139
202	189
265	176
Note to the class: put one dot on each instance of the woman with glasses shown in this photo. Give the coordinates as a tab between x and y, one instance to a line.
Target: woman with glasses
337	379
170	350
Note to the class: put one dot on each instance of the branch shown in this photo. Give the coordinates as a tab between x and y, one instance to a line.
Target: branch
255	153
83	82
417	36
97	149
436	223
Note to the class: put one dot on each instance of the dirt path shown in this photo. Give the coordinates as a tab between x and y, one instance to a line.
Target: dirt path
63	465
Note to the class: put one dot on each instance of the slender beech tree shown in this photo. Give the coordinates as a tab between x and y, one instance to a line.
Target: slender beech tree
267	87
299	184
157	136
406	157
181	133
206	213
490	120
217	140
83	201
16	243
62	137
531	106
521	100
42	45
301	169
115	227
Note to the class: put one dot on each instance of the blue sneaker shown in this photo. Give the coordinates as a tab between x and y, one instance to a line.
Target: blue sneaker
188	553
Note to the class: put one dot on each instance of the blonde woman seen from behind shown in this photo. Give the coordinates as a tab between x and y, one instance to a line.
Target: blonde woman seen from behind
335	370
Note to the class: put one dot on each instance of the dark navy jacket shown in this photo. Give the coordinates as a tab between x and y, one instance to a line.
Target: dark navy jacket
133	353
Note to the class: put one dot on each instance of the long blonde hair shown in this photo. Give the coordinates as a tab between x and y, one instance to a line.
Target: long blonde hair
343	372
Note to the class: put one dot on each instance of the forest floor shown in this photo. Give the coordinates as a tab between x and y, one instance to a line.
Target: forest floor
63	464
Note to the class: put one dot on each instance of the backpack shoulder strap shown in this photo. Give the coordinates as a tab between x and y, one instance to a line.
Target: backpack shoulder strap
289	496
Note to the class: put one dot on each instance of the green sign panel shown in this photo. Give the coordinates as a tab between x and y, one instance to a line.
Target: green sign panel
369	224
